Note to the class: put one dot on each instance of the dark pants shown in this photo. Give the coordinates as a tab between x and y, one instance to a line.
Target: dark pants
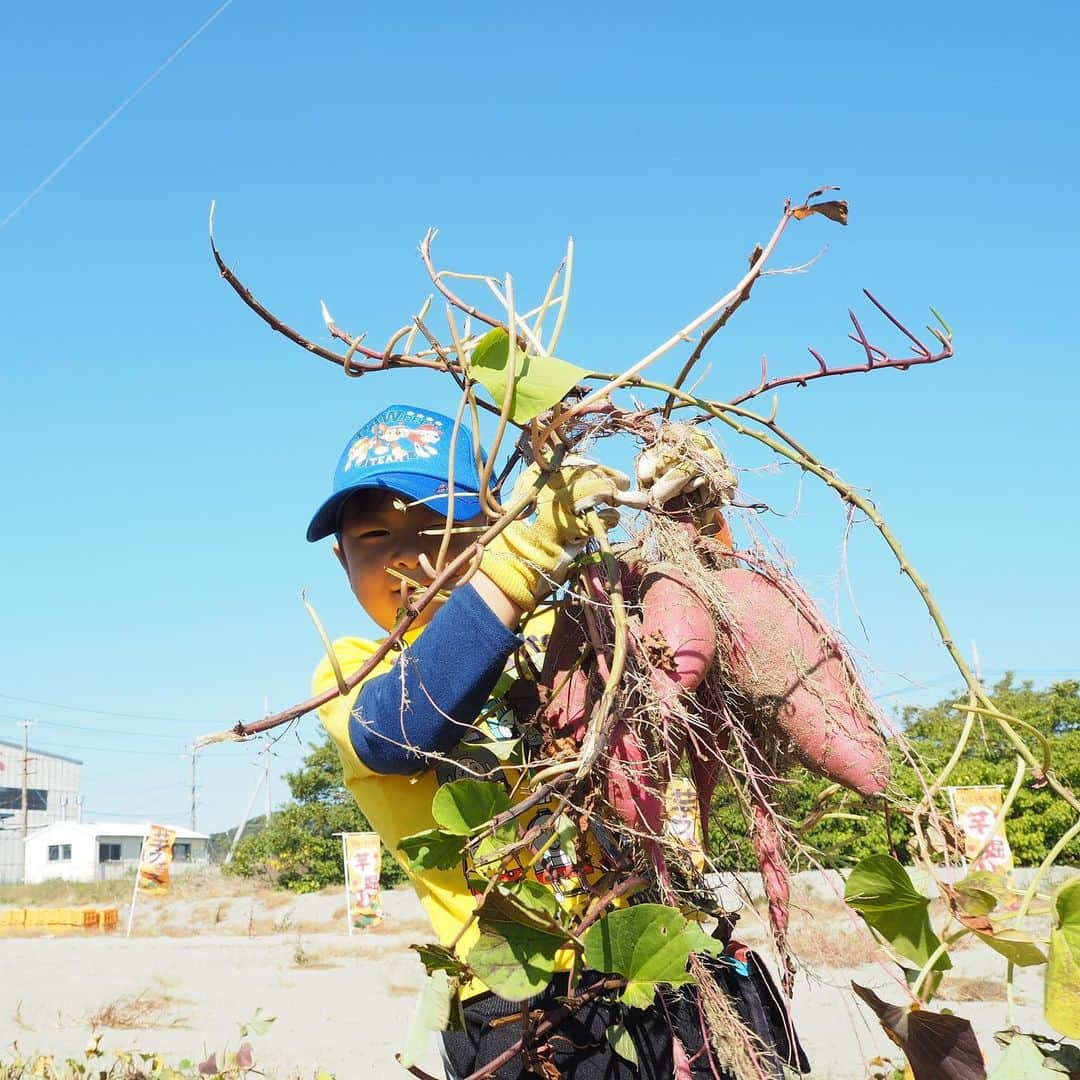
580	1048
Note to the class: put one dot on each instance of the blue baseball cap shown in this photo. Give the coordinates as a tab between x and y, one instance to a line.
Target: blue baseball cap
406	450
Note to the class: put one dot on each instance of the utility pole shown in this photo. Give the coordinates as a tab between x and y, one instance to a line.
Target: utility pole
244	820
266	763
25	725
194	787
266	775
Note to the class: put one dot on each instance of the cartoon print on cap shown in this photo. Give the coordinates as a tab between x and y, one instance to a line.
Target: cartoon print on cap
393	437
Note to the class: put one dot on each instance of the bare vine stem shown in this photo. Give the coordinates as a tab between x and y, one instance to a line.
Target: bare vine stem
600	723
547	1025
634	371
710	332
383	360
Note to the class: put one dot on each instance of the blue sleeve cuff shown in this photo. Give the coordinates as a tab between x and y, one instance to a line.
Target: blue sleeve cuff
437	688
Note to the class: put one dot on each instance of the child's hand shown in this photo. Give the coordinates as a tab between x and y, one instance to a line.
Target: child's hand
530	558
685	461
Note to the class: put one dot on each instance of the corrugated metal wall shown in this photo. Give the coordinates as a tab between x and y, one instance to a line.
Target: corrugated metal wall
54	786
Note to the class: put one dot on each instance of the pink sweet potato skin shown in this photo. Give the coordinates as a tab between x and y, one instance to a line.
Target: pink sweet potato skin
674	617
781	659
566	714
631	792
769	849
678	639
768	846
705	766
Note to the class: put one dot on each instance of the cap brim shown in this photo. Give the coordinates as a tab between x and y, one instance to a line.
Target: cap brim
416	488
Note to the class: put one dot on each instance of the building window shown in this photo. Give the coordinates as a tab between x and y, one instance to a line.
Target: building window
182	851
108	852
59	853
11	798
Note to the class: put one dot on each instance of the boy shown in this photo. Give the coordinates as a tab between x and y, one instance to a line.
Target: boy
436	714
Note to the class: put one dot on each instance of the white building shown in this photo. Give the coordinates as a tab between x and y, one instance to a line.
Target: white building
94	851
52	795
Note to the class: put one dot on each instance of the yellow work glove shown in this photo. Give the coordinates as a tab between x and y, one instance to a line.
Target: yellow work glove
530	557
685	461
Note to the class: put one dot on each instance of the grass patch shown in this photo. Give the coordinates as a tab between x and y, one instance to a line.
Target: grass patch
827	945
68	893
958	988
148	1009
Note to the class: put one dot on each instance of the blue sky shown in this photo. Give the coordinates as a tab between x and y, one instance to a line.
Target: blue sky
162	450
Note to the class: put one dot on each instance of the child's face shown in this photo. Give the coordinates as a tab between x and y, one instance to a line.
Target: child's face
377	535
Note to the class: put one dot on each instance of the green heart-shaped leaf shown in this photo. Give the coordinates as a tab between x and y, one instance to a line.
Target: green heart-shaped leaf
517	962
1062	1001
432	1014
432	849
647	944
880	890
465	805
539	381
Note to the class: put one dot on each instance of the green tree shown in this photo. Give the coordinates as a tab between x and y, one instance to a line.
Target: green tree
298	848
1036	821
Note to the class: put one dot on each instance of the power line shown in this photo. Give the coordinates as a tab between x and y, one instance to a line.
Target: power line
112	750
100	730
955	676
96	712
108	120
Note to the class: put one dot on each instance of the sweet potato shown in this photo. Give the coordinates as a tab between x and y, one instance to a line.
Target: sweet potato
677	626
631	790
783	662
769	849
632	794
705	774
678	638
775	877
566	713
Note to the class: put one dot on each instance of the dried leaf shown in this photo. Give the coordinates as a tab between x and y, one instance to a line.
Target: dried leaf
834	209
937	1046
971	896
439	958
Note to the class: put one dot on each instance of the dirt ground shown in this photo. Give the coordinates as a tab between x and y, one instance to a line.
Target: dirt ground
201	962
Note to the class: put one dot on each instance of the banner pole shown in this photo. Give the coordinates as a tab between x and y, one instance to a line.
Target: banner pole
348	897
135	891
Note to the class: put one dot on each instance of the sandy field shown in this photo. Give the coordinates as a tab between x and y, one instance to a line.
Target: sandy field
201	962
